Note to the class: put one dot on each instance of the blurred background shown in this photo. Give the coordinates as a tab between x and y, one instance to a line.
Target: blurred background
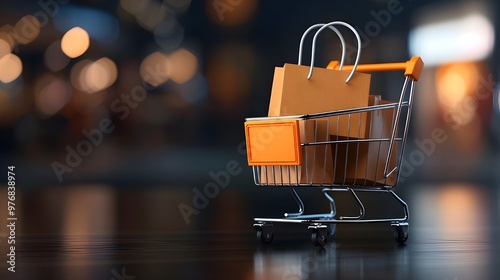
116	113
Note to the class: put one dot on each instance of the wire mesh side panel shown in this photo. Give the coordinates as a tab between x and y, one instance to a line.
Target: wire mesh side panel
361	161
358	147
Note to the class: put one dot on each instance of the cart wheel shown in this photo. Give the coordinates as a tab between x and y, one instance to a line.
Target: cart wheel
318	239
401	232
266	237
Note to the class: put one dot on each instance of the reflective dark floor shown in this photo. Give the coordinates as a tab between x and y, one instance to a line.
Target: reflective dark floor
453	235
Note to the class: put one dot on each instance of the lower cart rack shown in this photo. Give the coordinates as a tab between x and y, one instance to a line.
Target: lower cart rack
323	226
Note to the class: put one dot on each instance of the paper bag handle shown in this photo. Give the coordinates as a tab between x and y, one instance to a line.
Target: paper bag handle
342	41
314	47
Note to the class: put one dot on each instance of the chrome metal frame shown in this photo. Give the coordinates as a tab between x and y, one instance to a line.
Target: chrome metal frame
330	218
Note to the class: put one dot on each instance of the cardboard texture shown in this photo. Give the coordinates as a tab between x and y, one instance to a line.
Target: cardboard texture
293	94
316	165
364	163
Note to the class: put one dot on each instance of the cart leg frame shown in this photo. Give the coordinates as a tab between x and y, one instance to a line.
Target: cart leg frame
319	224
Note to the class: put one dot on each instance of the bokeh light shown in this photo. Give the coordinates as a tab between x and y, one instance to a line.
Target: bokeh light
178	5
27	29
4	47
151	16
148	13
179	66
11	68
466	221
456	81
134	6
75	42
155	69
91	77
51	95
230	12
101	26
76	72
169	34
184	66
99	75
6	34
469	35
439	217
230	71
54	58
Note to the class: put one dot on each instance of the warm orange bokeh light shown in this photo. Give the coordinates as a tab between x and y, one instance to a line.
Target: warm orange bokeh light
75	42
179	66
7	33
91	77
78	222
229	72
4	48
51	95
184	66
76	72
11	68
155	69
230	12
455	81
99	75
461	212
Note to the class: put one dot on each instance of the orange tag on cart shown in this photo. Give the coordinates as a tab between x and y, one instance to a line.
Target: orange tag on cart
273	142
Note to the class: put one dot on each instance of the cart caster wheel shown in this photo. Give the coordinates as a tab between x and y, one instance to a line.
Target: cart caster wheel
318	239
400	232
264	237
264	232
319	234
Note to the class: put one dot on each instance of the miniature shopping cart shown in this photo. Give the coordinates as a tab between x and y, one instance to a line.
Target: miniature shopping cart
309	151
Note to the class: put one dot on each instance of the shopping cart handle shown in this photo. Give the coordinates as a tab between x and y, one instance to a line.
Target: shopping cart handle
413	67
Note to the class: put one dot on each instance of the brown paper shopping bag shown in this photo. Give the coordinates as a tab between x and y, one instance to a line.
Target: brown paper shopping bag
327	90
299	89
364	163
316	164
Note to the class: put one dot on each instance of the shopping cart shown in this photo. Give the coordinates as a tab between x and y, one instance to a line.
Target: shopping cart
303	151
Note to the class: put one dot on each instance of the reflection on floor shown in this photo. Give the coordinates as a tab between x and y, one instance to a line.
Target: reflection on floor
97	232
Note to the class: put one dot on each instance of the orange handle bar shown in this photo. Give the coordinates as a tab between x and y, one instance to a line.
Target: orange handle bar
413	67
